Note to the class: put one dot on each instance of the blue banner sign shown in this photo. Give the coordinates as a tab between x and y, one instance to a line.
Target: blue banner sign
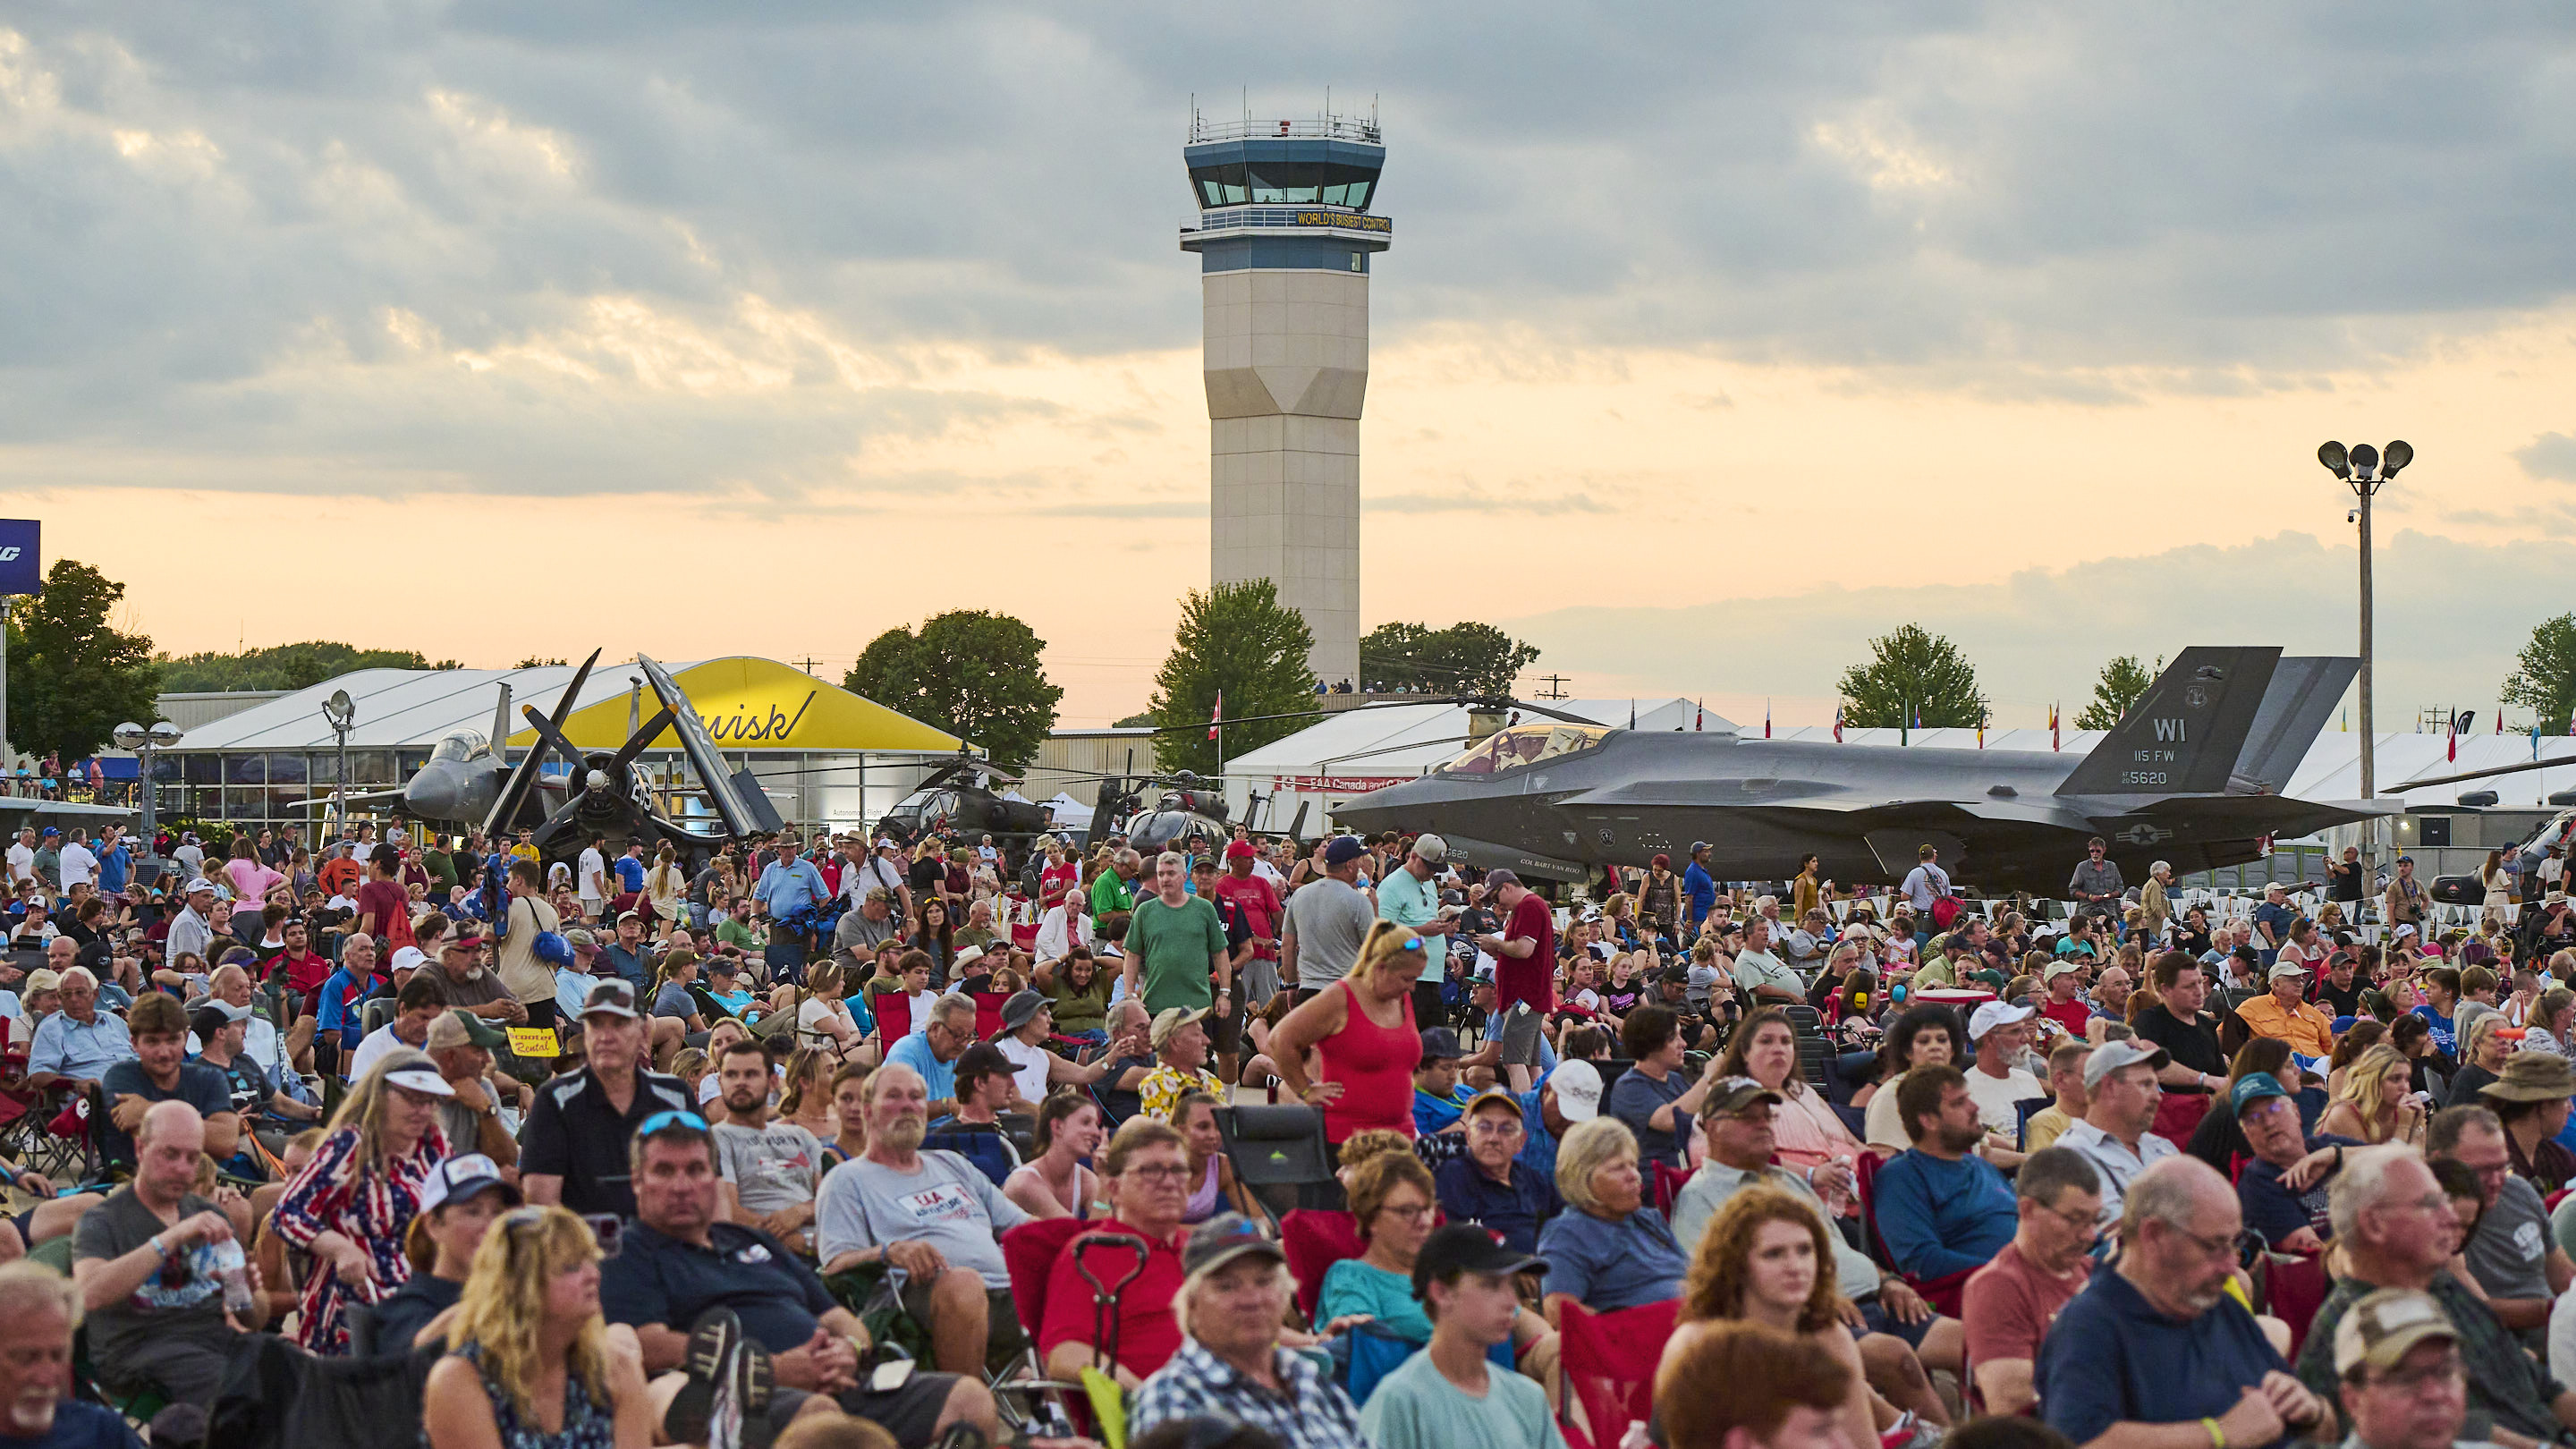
21	571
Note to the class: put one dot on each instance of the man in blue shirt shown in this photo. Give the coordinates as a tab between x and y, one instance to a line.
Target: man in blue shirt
786	885
1569	1093
114	858
1699	886
77	1044
2272	921
1489	1185
1439	1103
933	1051
624	955
1940	1208
2156	1340
630	868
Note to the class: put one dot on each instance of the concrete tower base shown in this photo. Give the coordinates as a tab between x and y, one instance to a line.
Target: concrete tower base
1287	374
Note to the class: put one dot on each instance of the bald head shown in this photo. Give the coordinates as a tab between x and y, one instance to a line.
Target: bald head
61	952
2177	1190
172	1122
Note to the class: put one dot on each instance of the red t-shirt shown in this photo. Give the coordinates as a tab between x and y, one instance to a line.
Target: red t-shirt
2073	1015
1258	903
391	906
1053	880
1149	1333
1528	978
306	973
2010	1303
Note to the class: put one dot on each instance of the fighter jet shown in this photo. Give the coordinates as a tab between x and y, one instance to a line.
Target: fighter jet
2191	775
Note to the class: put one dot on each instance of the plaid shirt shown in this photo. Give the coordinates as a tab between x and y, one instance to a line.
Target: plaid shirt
1313	1413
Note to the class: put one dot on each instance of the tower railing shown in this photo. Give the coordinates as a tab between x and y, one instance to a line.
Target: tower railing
1323	128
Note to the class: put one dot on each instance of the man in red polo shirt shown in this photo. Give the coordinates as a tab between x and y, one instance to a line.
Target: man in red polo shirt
1245	896
1524	972
1145	1171
2065	1004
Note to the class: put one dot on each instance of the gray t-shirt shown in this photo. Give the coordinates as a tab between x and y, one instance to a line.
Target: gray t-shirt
2509	1253
860	936
186	1306
947	1204
1327	919
770	1167
1696	1206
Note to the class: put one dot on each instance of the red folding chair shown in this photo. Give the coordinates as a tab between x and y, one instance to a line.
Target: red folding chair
1029	1252
988	1014
1608	1360
2296	1287
1314	1240
1943	1293
894	1019
1669	1182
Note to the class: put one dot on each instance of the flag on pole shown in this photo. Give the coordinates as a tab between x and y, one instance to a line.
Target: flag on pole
1632	711
1699	719
2452	747
2052	726
2535	739
2499	719
1216	716
1766	719
1981	734
1838	724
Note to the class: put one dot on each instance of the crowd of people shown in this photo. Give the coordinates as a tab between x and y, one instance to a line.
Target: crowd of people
826	1140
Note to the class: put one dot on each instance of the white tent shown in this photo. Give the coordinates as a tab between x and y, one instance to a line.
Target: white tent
1359	750
1068	813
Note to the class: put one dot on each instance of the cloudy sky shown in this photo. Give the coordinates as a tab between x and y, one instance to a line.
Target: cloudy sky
1714	339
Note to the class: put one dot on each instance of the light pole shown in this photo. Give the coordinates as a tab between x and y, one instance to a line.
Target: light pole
143	742
2366	469
342	712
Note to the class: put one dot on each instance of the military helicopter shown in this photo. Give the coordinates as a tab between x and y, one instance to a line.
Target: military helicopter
959	796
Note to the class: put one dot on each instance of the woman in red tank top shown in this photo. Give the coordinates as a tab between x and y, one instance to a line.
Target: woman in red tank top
1363	1029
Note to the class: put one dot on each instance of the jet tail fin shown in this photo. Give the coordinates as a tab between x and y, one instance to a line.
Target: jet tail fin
2184	735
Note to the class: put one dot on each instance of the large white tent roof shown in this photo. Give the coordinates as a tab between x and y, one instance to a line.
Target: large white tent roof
398	707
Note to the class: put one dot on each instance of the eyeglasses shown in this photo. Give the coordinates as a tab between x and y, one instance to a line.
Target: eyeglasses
1413	1214
1411	943
1166	1172
1494	1127
2231	1245
2443	1371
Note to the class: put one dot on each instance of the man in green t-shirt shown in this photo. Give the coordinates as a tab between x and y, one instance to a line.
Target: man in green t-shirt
1175	941
735	928
1114	889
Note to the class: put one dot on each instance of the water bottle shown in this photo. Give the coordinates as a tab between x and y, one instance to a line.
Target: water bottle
234	1271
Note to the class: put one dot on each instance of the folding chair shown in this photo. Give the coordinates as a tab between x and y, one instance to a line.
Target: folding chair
1943	1293
988	1014
1314	1240
1608	1360
894	1019
2023	1111
1280	1154
2295	1288
1029	1252
1669	1182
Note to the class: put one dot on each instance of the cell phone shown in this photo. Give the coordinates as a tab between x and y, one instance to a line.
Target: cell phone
890	1375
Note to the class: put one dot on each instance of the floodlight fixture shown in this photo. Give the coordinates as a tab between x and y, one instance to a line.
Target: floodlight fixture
2397	455
2365	459
2332	455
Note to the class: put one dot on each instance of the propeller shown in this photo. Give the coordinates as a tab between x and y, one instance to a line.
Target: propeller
523	776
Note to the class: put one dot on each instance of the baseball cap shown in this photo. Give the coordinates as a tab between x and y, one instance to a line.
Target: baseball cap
1993	1014
581	940
1431	848
199	884
1240	850
1440	1044
420	1076
2405	860
984	1059
461	1178
2110	1056
2059	968
1023	1005
1344	850
463	1028
1734	1094
1171	1019
2384	1326
1467	1248
1488	1097
1222	1239
213	1015
49	830
409	958
1495	880
614	996
2286	971
1578	1090
2251	1088
624	916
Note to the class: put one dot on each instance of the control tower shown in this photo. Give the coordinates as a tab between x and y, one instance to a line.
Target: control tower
1284	235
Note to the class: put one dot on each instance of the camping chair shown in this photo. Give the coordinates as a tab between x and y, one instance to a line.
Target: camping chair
1608	1360
2023	1111
1279	1153
1669	1182
1943	1293
1314	1240
1030	1252
2295	1287
988	1014
894	1020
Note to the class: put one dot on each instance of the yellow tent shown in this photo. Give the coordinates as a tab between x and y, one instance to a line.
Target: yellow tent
759	704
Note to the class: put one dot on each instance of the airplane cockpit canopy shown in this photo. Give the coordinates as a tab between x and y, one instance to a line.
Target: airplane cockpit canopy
1527	744
460	745
923	807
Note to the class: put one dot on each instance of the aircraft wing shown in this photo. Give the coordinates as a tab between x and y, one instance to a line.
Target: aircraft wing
739	802
1727	793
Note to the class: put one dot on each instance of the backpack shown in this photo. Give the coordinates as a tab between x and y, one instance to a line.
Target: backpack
1945	912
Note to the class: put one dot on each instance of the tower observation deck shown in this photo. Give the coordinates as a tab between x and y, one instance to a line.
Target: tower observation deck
1284	237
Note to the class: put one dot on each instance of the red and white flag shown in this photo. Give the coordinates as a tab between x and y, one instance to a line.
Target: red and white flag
2452	748
2052	727
1699	720
1838	725
1766	719
1216	716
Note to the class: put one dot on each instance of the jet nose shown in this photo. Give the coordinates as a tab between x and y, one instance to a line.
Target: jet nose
432	794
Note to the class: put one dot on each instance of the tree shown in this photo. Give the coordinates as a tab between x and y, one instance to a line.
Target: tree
972	673
540	661
73	678
1912	669
284	666
1237	639
2124	680
1140	720
1465	658
2544	675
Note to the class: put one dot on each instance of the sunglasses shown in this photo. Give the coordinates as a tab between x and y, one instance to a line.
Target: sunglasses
670	1118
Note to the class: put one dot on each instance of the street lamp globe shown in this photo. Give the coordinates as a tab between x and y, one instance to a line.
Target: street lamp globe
128	736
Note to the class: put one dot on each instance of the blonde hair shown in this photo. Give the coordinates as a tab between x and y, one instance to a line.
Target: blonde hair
800	1071
363	1110
503	1306
2365	1085
1587	1148
1384	947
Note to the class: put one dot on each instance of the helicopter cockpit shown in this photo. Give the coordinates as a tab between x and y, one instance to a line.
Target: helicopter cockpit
1528	744
921	810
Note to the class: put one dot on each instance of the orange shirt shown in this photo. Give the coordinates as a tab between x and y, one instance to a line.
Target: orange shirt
2309	1032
